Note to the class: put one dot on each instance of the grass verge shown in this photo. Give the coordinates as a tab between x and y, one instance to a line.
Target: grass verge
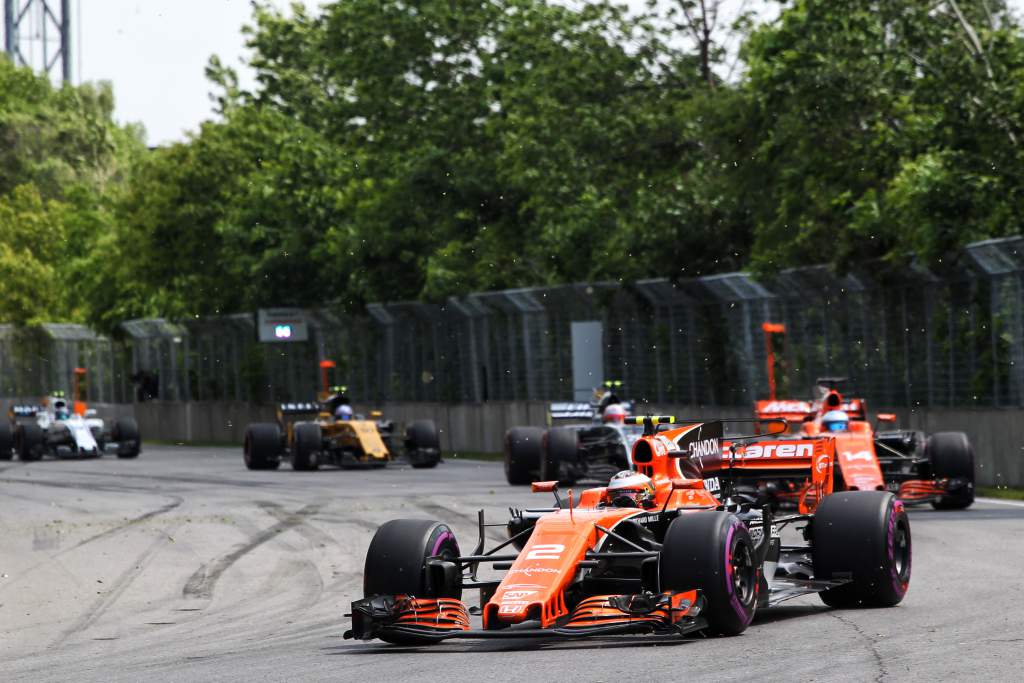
1000	492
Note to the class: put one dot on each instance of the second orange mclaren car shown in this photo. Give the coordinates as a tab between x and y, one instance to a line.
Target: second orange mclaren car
918	468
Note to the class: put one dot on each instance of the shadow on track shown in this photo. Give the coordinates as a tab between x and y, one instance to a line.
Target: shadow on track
515	645
786	612
772	615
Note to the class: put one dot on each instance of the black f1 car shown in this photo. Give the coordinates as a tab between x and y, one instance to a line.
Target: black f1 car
583	442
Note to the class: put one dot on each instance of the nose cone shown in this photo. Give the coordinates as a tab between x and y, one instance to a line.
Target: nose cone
534	587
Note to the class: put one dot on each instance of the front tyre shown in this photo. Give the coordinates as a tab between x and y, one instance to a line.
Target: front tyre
6	440
307	444
396	564
522	454
261	449
713	552
560	450
952	457
863	536
126	434
29	441
423	443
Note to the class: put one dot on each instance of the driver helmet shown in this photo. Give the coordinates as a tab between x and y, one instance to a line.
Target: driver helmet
614	413
835	421
631	489
60	410
343	412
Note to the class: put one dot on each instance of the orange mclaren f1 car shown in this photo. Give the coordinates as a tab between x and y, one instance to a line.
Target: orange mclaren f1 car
936	469
664	550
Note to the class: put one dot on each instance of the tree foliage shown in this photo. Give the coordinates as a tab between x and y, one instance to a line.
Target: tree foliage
883	127
62	160
393	150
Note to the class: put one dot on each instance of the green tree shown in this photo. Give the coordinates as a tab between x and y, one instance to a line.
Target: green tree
489	144
880	128
32	249
62	159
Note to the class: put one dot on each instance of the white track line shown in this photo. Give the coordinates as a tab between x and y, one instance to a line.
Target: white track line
1000	501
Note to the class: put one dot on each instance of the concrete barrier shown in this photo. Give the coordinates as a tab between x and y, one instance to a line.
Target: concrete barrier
199	421
997	434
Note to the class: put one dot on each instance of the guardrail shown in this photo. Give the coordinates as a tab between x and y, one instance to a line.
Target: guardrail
913	338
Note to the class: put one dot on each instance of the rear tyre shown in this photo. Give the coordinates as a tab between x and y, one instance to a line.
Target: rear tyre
29	441
126	434
522	454
423	444
6	440
864	536
952	457
306	447
560	448
262	447
713	552
396	564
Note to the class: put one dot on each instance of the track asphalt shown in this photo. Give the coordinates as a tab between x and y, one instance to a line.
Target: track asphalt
184	566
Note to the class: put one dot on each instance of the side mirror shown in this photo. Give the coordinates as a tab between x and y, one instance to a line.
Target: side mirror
544	486
687	484
886	417
90	412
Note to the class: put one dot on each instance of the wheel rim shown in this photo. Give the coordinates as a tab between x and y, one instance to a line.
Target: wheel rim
744	573
901	551
449	552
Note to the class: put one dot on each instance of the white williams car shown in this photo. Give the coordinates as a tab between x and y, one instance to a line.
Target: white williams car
54	428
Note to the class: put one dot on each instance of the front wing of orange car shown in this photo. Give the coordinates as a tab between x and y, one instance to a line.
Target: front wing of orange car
436	619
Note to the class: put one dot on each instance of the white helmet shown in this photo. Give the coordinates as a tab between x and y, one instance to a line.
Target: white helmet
835	421
343	412
614	413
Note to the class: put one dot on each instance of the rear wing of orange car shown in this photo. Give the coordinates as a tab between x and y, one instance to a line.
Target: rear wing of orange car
807	464
799	411
701	452
780	454
791	411
705	450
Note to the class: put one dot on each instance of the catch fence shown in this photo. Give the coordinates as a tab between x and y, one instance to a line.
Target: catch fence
916	338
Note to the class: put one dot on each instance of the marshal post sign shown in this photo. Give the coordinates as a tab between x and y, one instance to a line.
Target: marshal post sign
282	325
